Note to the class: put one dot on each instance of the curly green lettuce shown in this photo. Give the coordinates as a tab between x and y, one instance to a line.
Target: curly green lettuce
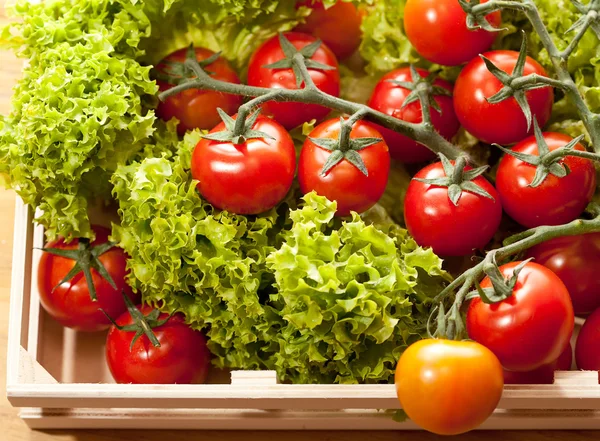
294	289
85	103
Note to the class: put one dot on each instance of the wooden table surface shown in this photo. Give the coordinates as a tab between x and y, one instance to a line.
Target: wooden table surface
13	429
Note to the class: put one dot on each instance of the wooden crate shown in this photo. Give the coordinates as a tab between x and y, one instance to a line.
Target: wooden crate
59	379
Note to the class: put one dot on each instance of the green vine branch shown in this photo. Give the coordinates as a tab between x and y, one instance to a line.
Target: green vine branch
590	19
422	132
512	246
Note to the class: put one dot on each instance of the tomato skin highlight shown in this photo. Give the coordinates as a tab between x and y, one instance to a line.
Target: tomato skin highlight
432	377
434	221
538	315
196	108
344	183
576	260
502	123
248	178
587	347
338	26
70	303
438	31
556	200
388	98
182	358
291	115
544	374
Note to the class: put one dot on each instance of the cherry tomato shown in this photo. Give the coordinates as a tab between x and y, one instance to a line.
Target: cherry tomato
291	115
338	26
556	200
503	123
194	108
448	387
438	31
388	98
247	178
587	348
530	328
576	260
544	374
70	303
434	221
345	183
182	357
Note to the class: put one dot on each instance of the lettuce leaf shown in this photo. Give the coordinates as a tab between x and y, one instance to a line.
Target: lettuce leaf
294	289
85	103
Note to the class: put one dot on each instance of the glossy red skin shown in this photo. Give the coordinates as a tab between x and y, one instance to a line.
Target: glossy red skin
587	347
248	178
556	200
338	26
70	303
182	358
503	123
576	260
529	329
543	374
437	29
291	115
196	108
388	98
434	221
344	183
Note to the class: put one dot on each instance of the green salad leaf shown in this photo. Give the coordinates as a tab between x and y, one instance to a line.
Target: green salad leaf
85	103
295	289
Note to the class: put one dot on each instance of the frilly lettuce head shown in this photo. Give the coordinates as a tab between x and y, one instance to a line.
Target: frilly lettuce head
85	103
294	289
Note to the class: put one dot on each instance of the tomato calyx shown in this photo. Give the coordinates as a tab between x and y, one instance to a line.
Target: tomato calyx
176	72
345	147
142	324
238	132
457	179
516	84
502	288
297	59
547	162
421	88
86	257
476	18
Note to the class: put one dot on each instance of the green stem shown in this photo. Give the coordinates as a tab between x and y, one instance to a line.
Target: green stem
310	94
515	245
533	79
559	61
552	156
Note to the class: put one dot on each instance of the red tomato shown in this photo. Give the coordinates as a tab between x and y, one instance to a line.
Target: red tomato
338	26
247	178
389	97
503	123
196	108
182	357
587	348
576	260
70	303
345	183
530	328
291	115
544	374
451	230
438	31
448	387
556	200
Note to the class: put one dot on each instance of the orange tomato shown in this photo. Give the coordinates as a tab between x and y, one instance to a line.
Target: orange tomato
448	387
